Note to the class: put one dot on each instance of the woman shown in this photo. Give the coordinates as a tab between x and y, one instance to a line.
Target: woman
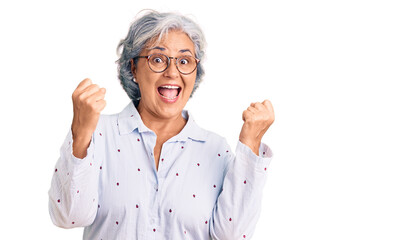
150	172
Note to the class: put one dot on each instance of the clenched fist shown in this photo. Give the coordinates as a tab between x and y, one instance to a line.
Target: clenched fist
88	102
257	119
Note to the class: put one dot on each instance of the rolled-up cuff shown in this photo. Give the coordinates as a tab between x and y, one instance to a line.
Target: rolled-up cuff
260	162
90	150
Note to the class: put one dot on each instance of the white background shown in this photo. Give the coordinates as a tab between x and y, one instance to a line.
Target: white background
336	72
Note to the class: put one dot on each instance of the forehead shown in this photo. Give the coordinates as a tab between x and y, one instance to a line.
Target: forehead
173	41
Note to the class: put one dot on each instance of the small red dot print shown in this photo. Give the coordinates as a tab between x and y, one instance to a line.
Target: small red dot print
154	230
78	191
227	150
230	219
117	183
245	181
137	206
264	153
100	134
162	159
116	222
198	164
194	195
177	174
214	186
131	115
90	164
58	200
170	210
139	169
182	147
100	167
206	222
56	170
218	154
73	222
265	169
185	232
244	236
119	150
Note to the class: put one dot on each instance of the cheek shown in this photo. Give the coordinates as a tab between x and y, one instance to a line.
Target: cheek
189	86
145	79
192	81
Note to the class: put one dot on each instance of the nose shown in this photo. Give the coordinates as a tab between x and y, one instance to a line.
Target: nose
172	71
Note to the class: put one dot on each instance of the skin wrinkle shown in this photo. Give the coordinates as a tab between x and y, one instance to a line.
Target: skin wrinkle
149	30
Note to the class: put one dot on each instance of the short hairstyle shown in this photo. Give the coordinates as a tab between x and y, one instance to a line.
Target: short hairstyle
154	25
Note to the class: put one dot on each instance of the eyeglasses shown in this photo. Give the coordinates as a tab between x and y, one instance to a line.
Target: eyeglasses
158	63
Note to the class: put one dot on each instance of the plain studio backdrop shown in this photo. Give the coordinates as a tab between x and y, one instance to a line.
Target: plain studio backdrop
335	71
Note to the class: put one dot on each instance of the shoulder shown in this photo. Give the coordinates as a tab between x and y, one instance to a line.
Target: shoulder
196	132
120	122
215	138
107	125
213	142
107	120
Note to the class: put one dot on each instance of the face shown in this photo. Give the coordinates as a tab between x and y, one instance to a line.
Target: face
165	94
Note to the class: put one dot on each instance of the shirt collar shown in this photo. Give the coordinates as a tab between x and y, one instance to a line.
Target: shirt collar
130	120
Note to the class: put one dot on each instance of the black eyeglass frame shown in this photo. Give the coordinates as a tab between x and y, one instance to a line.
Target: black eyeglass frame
169	58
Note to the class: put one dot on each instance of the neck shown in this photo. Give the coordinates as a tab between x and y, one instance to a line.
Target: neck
162	126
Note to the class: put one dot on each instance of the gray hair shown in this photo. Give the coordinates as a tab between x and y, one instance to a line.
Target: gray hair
150	26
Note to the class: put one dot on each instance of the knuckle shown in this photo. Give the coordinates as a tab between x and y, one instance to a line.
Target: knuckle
88	101
259	105
95	86
87	81
94	107
82	98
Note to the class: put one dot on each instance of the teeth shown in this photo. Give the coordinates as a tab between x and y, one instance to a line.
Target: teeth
170	87
169	97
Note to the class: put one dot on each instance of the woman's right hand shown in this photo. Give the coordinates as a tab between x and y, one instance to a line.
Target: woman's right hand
88	103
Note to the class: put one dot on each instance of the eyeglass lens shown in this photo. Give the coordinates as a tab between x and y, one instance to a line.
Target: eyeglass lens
159	62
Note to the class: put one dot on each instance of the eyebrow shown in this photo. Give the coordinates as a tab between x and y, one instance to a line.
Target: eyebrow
159	48
185	50
163	49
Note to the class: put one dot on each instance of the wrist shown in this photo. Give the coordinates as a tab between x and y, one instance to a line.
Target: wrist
80	134
81	141
253	144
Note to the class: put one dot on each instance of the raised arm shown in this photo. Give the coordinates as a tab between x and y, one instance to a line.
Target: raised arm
239	204
73	196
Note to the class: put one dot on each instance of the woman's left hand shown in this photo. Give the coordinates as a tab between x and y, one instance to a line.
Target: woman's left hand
257	119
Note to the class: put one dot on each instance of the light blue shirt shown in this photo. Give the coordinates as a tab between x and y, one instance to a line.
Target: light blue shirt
201	190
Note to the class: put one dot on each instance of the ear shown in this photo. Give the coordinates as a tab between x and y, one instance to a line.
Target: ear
133	69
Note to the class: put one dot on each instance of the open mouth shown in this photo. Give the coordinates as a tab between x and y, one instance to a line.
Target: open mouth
169	92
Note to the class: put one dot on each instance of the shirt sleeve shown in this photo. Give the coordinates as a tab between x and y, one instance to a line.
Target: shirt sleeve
239	204
73	195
